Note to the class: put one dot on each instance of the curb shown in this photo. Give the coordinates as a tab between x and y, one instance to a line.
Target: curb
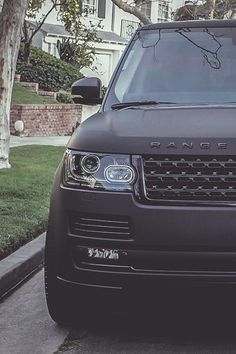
15	268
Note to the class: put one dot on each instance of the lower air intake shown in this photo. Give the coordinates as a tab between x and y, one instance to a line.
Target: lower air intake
100	226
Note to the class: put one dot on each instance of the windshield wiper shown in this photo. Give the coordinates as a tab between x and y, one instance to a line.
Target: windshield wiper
138	103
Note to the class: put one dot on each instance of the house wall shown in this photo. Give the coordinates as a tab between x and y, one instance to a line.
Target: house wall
107	24
178	3
107	54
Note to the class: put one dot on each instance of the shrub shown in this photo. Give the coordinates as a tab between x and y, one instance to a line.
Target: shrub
64	97
51	73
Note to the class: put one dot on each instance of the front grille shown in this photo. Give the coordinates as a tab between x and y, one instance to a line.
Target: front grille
190	177
100	226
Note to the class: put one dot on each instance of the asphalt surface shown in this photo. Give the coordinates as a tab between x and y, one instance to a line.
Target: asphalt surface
25	326
170	322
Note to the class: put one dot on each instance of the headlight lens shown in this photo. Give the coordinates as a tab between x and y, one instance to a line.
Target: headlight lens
98	171
119	174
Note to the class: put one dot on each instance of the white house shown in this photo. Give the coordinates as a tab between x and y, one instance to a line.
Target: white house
117	28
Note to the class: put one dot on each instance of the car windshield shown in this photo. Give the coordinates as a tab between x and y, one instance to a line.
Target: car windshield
185	65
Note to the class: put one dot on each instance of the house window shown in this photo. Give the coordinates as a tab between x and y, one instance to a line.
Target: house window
146	8
164	11
89	7
50	48
128	28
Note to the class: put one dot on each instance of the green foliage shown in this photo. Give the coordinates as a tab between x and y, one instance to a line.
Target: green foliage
51	73
33	7
25	193
203	10
69	12
78	51
77	54
103	91
64	97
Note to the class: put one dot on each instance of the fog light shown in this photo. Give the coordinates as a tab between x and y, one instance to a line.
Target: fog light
90	163
119	173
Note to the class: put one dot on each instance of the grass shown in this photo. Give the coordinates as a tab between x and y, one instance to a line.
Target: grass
25	193
22	95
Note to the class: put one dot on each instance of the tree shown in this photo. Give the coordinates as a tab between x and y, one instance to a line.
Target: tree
69	12
134	8
209	9
76	54
11	23
29	30
79	49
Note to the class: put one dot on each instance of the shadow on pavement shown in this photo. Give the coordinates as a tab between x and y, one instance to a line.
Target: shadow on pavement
189	320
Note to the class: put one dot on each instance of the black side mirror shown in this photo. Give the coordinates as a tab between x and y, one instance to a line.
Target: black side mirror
87	91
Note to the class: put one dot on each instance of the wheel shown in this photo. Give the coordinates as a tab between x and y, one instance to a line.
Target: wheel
60	298
68	305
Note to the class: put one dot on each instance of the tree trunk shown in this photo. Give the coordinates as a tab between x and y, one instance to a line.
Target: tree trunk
233	14
27	50
11	22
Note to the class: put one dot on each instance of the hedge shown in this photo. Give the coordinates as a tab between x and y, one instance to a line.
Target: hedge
51	73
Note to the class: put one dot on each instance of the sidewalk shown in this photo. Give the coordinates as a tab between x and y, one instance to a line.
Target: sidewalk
19	265
39	140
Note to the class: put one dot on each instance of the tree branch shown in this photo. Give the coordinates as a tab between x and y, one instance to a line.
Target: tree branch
133	10
55	4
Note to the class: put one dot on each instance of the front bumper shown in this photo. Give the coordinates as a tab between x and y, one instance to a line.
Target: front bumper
169	244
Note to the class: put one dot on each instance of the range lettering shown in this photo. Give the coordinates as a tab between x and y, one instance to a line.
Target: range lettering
188	145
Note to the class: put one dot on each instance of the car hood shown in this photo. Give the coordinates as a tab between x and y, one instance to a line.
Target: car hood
164	130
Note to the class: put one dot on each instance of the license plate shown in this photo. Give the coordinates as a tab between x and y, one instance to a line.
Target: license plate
103	253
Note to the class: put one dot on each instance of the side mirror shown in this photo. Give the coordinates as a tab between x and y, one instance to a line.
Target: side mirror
87	91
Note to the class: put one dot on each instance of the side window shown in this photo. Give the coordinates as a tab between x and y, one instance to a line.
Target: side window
89	7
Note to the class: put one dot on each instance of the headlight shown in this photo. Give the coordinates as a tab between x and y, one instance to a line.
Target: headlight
98	171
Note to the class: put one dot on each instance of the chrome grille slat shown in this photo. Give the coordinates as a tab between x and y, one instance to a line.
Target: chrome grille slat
190	177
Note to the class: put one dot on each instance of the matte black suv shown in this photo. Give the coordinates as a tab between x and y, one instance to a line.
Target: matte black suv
146	191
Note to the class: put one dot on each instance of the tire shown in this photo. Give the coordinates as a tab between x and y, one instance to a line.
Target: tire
68	305
60	298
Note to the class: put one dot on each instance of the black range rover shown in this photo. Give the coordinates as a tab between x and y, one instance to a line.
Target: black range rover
146	192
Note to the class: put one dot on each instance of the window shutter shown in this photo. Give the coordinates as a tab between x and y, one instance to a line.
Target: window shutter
81	6
101	8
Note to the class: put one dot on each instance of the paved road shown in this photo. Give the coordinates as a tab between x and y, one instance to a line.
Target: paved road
182	323
178	325
25	326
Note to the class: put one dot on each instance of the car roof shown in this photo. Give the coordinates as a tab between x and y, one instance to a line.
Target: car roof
192	24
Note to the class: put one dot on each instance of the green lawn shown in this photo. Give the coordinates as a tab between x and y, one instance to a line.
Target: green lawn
25	193
22	95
